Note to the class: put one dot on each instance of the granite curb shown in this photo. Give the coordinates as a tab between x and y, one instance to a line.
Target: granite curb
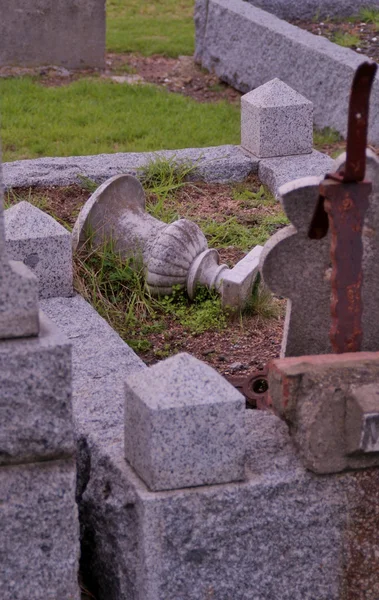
217	164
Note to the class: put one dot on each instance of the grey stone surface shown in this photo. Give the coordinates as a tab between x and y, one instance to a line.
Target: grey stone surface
276	121
232	164
214	164
283	533
308	9
64	32
115	213
200	18
35	409
18	301
275	172
39	532
101	362
298	268
42	244
237	283
18	291
184	425
247	47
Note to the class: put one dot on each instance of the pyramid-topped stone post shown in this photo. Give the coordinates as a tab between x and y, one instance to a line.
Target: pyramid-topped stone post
276	121
18	291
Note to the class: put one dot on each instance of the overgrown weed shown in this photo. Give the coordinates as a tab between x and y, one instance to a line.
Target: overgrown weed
345	39
369	15
262	303
161	178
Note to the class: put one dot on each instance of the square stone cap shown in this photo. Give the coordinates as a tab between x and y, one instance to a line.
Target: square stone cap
274	93
182	381
26	221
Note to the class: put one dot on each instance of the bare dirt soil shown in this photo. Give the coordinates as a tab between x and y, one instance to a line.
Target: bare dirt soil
179	75
365	38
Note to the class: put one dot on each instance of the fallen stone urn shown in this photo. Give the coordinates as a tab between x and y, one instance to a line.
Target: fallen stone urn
172	255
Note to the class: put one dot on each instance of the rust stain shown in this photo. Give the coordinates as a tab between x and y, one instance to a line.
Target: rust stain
342	205
346	205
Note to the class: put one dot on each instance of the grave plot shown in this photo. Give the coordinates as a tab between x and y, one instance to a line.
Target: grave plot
234	217
183	493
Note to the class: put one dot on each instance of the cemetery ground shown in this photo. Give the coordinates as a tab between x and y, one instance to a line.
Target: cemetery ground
151	96
360	33
234	218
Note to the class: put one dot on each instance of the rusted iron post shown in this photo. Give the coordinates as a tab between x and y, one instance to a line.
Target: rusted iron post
344	199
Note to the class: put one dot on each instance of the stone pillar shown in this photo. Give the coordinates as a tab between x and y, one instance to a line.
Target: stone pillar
184	425
276	121
39	530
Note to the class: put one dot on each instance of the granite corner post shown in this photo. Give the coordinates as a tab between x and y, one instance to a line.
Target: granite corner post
39	529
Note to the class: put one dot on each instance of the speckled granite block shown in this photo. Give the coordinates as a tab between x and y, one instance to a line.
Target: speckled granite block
184	425
35	397
284	533
36	239
275	172
276	121
237	283
39	532
18	301
18	291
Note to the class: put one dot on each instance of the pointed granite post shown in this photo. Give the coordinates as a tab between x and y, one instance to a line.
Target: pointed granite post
18	292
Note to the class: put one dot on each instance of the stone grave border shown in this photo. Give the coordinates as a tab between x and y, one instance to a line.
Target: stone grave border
246	47
217	164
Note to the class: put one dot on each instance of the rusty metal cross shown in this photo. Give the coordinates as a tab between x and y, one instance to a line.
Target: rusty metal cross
343	202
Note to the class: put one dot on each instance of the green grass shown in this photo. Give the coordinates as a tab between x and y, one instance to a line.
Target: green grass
92	117
369	15
325	137
232	233
346	39
249	199
161	179
117	291
160	27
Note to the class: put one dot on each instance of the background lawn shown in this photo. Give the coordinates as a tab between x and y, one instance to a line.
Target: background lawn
159	27
93	115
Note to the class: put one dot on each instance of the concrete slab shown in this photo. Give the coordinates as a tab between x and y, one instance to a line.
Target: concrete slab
63	32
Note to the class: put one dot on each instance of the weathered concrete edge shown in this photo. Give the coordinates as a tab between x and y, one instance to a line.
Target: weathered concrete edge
212	164
217	164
